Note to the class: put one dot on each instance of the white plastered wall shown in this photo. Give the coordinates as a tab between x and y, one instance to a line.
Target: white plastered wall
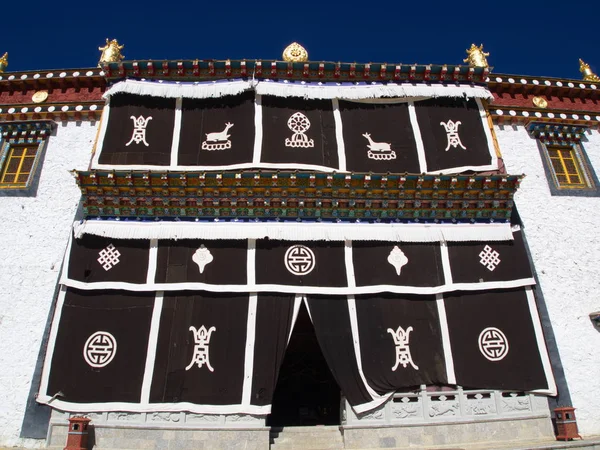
33	238
563	235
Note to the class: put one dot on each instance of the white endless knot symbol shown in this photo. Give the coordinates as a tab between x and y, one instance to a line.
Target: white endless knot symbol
139	130
100	349
452	134
109	257
489	257
493	344
299	260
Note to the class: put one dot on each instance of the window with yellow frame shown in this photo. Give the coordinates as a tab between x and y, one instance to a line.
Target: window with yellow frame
19	160
568	169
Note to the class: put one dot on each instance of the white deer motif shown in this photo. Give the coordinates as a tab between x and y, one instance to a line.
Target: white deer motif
219	136
379	146
379	150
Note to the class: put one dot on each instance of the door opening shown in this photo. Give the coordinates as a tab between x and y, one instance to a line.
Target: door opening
306	392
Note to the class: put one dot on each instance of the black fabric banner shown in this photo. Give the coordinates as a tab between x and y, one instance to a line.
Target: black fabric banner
312	263
331	319
298	131
139	131
493	340
96	259
217	131
378	138
101	346
200	351
476	262
393	263
400	341
452	133
274	322
220	262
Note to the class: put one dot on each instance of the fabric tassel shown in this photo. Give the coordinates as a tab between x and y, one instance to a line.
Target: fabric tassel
307	90
296	232
176	90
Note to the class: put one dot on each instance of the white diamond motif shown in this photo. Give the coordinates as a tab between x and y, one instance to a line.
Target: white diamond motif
109	257
489	257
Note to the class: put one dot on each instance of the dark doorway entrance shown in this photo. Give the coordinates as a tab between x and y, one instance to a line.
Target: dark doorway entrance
306	392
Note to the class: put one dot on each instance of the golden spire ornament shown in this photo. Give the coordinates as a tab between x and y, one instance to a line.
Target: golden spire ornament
587	73
476	56
111	52
4	62
295	53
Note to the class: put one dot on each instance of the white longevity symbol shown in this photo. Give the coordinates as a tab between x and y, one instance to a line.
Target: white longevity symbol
452	134
139	130
403	355
202	339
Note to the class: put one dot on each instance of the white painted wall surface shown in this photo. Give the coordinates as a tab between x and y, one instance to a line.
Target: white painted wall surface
33	238
564	237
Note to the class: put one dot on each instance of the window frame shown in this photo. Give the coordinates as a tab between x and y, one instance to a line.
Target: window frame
566	137
24	134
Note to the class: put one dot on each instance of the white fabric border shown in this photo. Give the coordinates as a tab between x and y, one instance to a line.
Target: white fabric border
541	343
297	231
152	345
293	289
302	89
446	347
154	407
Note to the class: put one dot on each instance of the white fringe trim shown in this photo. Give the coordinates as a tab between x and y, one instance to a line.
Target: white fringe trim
286	89
176	90
368	91
296	232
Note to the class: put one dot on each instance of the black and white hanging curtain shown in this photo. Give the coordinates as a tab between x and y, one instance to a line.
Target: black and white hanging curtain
202	324
344	128
341	267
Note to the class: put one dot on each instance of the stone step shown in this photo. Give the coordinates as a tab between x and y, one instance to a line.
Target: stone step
307	438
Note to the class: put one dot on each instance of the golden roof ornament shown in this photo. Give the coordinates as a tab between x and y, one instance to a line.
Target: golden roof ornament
587	73
476	56
111	52
4	62
295	53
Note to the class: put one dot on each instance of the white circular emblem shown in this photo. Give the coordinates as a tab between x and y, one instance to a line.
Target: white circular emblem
299	260
100	349
493	344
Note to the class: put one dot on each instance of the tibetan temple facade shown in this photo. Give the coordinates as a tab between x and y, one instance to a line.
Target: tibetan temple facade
251	254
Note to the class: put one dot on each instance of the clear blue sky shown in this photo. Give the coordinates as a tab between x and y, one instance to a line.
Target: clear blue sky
523	37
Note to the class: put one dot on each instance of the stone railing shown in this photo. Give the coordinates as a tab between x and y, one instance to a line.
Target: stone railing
443	406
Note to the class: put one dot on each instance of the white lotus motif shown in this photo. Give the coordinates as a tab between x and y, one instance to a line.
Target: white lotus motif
202	257
398	259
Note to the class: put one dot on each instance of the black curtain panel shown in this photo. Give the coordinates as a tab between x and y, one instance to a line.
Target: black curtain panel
475	262
274	323
331	319
311	263
139	131
200	351
96	259
493	340
378	138
220	262
101	346
397	264
452	133
400	341
217	131
298	131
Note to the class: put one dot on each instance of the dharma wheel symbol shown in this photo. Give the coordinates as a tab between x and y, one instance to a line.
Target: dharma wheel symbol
299	124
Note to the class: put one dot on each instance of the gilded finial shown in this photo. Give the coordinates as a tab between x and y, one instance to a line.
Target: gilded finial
587	73
295	53
4	62
476	56
111	52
